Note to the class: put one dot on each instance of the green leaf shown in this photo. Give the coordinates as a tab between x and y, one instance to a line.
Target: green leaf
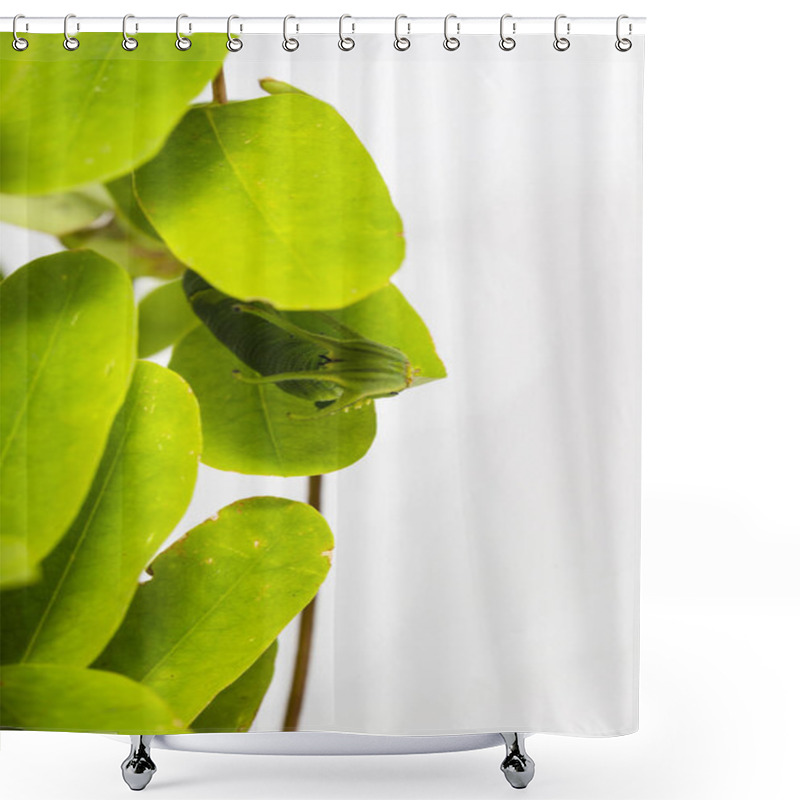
164	316
72	118
125	200
48	697
246	427
131	248
273	86
288	206
66	355
16	565
57	214
235	708
219	597
141	489
387	317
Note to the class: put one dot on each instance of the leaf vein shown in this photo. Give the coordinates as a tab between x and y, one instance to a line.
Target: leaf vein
73	555
298	259
210	611
88	100
40	368
263	407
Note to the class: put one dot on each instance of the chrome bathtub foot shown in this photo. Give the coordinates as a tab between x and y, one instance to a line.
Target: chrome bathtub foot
138	768
517	766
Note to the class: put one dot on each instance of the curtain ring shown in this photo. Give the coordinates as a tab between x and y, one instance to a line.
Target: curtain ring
451	42
401	43
70	42
346	43
561	43
181	42
128	42
289	44
507	42
19	44
623	45
234	43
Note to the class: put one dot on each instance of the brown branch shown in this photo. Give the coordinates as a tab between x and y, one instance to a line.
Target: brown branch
218	87
295	704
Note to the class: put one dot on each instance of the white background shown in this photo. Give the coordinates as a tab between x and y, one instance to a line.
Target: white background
720	603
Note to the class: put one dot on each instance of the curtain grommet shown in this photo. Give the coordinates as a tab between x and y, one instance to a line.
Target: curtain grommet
451	43
561	43
346	43
623	44
234	43
401	43
289	44
507	43
71	43
18	43
181	42
129	43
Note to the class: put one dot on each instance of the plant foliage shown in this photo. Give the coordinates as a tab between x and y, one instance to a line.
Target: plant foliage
271	237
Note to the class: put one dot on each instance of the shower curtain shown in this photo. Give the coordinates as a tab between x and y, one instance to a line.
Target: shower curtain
320	384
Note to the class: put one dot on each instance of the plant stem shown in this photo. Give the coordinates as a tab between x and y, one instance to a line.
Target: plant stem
303	656
218	87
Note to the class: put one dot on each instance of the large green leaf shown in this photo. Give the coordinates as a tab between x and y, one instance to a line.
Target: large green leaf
16	565
288	206
164	316
235	708
72	118
59	213
219	597
66	357
129	246
247	427
141	489
387	317
49	697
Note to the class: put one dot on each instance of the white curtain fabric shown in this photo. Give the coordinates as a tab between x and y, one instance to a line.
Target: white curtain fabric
486	570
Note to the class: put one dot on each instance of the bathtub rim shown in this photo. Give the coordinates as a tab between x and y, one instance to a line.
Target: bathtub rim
330	743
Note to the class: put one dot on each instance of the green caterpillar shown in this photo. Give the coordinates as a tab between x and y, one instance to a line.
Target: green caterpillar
325	362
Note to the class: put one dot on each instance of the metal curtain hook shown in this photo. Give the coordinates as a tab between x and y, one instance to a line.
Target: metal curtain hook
507	42
346	42
128	42
401	42
234	44
289	44
561	43
451	42
623	45
18	43
70	42
181	42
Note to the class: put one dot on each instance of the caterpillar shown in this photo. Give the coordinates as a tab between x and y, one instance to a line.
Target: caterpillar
322	361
